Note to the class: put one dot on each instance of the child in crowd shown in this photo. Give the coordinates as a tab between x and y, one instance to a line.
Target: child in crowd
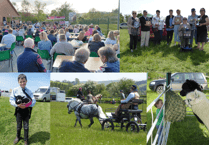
158	105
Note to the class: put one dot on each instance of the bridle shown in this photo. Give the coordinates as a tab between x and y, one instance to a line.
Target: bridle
74	106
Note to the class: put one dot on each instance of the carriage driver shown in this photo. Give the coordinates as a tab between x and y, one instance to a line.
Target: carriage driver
80	94
125	103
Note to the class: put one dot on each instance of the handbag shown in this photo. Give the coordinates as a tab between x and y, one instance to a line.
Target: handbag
135	30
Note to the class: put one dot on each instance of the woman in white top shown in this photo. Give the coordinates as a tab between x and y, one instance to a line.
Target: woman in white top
157	25
111	39
67	34
75	30
61	31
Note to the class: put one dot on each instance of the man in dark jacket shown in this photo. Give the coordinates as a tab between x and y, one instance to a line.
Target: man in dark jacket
29	33
29	60
169	26
51	37
145	29
81	57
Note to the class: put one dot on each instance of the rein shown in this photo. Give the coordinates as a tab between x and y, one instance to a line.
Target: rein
75	106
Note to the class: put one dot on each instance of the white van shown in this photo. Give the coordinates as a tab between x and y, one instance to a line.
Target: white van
42	94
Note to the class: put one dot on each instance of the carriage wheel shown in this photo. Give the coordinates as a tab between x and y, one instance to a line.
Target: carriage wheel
132	127
122	124
136	119
107	125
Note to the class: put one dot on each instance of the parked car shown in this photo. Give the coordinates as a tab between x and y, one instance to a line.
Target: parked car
123	26
177	80
68	99
43	94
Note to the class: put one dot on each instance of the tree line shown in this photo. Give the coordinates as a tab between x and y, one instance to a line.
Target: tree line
34	12
112	90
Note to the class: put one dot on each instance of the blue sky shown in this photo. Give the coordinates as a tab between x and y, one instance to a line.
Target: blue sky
35	80
163	5
98	76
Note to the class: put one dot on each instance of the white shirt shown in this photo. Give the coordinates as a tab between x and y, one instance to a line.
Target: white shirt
109	41
8	40
157	20
18	91
130	96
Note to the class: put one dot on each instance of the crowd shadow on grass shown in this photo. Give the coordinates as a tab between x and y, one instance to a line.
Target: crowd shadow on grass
197	56
40	137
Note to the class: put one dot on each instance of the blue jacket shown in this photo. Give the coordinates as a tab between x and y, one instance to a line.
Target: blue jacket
30	61
72	66
52	38
94	46
111	67
45	45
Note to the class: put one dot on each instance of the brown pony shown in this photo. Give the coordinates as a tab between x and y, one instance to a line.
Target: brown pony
96	98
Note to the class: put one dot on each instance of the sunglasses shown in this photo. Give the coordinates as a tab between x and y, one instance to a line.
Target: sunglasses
134	13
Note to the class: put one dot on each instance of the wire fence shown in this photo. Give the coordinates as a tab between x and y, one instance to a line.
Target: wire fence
106	24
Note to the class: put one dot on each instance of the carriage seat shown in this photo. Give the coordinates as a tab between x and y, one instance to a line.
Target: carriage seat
134	111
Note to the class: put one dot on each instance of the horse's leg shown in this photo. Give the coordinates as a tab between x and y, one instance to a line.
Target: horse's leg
75	122
80	122
92	121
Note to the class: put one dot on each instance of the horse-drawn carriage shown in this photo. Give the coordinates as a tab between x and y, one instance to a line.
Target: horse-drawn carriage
129	118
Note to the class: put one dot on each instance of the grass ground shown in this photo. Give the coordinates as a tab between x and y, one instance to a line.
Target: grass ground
187	132
161	58
63	130
39	124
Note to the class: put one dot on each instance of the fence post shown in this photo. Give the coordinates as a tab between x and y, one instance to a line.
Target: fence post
108	21
168	79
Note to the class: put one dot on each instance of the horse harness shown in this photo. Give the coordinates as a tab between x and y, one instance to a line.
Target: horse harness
79	108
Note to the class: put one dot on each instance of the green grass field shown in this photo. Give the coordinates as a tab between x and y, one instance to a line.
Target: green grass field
187	132
63	130
104	28
161	58
39	124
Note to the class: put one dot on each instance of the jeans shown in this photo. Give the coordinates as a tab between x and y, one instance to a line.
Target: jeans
25	119
158	36
133	41
169	36
176	33
161	129
193	35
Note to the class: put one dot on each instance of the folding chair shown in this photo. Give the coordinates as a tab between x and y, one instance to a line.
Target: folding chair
13	47
5	55
93	54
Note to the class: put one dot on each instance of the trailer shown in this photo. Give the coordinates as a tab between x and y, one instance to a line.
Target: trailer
57	95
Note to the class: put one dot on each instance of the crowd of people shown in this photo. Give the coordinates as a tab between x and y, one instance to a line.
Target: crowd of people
57	38
194	27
